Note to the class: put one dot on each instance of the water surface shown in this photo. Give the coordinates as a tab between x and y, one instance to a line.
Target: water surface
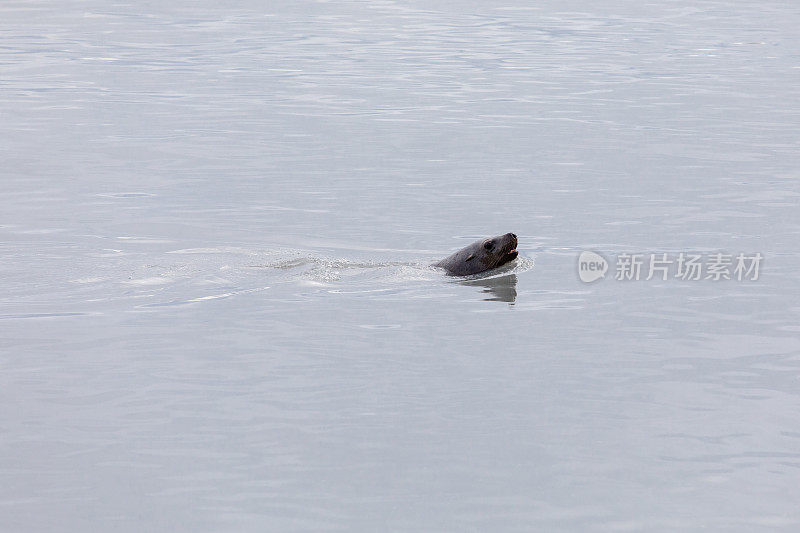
218	312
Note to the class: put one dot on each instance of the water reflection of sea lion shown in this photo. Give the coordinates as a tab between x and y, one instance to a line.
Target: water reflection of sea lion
481	256
497	288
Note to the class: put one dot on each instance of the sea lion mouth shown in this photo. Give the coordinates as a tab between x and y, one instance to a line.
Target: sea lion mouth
511	246
510	256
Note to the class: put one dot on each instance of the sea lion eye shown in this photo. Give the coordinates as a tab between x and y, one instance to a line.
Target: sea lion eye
488	245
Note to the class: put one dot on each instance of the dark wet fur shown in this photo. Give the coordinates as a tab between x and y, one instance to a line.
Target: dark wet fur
477	258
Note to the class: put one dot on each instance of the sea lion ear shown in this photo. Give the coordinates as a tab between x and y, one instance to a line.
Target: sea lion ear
470	258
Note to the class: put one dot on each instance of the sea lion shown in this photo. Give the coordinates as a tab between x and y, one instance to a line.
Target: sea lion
481	256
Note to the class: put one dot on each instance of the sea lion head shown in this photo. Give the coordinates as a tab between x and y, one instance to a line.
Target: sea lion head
499	250
481	255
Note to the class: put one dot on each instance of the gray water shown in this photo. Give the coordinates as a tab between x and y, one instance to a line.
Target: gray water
218	314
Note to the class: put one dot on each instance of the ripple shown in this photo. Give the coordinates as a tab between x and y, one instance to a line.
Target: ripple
126	195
